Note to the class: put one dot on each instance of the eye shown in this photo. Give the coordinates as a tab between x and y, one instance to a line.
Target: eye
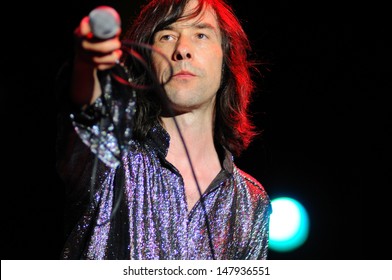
201	36
166	37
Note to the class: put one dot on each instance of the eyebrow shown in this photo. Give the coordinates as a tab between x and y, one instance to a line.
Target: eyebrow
198	25
205	25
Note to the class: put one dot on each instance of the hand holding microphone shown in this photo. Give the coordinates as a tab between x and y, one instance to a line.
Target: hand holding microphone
98	38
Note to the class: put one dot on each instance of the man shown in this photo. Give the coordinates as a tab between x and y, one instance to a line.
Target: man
165	185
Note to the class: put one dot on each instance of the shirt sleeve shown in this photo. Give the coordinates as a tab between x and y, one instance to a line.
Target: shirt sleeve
105	126
259	237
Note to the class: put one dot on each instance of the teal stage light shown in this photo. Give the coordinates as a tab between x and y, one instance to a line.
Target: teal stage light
289	224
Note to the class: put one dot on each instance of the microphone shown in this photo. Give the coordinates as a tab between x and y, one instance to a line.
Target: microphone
104	22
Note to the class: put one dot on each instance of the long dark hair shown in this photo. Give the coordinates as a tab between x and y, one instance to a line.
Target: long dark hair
233	126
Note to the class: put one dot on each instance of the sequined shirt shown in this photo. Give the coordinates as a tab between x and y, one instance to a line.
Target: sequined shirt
137	207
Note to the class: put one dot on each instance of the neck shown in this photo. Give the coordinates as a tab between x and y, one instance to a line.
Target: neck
196	131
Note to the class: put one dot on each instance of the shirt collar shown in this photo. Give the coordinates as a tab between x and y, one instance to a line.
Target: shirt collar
159	139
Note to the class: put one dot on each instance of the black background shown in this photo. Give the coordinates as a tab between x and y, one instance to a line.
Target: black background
322	101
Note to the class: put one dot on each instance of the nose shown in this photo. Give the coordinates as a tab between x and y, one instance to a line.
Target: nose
182	50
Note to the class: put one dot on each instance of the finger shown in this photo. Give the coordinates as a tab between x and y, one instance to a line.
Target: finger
85	26
83	30
102	47
107	60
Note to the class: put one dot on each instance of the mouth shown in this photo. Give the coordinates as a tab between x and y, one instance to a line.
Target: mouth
183	74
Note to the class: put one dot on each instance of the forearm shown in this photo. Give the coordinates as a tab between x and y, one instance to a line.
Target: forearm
85	86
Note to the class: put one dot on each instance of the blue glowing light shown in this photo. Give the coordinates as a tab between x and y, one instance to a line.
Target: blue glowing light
289	224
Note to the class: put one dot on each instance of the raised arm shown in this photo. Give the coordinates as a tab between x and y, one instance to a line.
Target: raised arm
91	55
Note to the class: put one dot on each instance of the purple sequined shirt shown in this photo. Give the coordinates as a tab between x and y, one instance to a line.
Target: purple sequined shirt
151	219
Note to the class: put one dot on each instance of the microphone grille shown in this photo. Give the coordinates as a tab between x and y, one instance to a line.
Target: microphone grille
104	22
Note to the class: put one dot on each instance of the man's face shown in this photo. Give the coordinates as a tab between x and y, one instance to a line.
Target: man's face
194	49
